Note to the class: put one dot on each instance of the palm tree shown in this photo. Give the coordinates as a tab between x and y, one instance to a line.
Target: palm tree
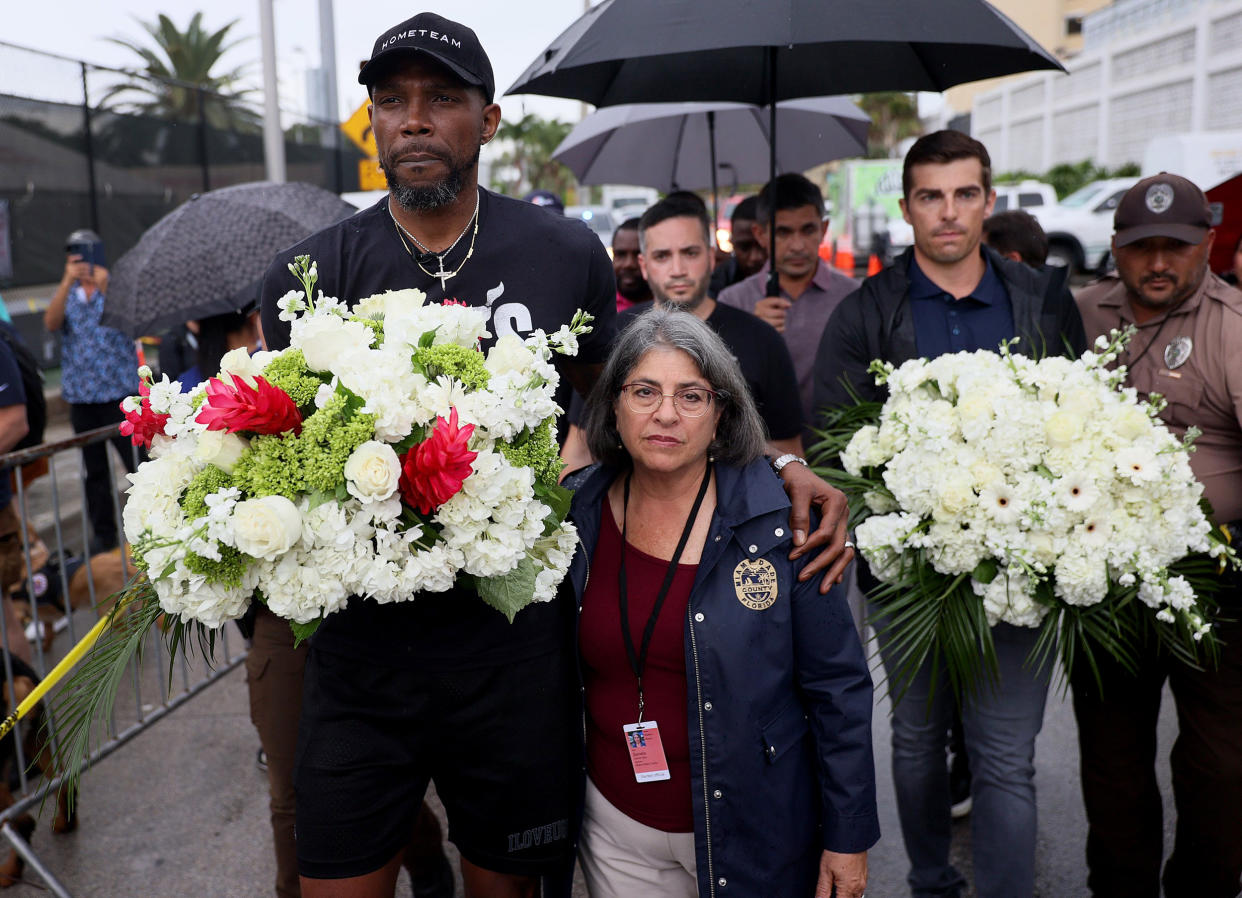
894	117
178	74
533	140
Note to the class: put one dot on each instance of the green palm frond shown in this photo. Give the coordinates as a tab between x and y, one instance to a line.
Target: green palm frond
82	707
179	70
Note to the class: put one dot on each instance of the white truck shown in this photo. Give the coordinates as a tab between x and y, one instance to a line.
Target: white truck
1205	157
1080	227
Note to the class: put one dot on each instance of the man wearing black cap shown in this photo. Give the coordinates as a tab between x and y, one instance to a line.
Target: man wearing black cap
400	694
1187	347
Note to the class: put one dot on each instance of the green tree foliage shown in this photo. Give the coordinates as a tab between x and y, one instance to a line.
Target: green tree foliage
894	117
180	70
1070	176
528	161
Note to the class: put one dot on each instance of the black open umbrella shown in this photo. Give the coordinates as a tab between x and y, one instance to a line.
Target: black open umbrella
673	146
644	51
208	255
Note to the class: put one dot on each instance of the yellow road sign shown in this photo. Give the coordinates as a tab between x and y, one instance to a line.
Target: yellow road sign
369	175
358	129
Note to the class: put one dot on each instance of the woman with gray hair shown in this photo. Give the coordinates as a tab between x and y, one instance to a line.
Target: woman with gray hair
727	705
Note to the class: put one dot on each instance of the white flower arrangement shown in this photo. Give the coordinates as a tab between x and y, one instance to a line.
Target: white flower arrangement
1043	489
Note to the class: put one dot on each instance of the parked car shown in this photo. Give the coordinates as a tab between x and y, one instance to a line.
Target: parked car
1029	195
1080	227
597	218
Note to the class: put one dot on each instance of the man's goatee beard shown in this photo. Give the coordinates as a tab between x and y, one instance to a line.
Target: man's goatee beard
424	198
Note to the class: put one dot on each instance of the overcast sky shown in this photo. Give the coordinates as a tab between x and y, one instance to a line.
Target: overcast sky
513	34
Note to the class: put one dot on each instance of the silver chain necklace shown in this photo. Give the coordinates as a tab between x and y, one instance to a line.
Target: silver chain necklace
442	274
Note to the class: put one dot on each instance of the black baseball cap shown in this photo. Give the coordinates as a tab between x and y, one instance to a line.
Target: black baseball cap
1163	205
444	40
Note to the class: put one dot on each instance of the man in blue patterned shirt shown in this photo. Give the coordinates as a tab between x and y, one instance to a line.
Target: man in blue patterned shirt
99	368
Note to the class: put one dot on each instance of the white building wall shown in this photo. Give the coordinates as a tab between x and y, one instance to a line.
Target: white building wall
1154	67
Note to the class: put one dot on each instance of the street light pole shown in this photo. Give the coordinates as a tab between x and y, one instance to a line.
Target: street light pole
273	137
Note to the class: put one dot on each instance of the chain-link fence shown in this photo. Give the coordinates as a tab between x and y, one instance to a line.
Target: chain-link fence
76	151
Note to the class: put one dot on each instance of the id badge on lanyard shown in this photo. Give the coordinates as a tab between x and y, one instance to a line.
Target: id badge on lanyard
642	739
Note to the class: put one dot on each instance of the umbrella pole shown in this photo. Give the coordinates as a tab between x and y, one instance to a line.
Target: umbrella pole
774	278
711	144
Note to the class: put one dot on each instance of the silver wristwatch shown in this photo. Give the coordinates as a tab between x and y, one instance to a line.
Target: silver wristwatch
785	459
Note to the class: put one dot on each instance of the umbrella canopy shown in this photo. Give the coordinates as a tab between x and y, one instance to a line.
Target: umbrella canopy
669	145
208	255
642	51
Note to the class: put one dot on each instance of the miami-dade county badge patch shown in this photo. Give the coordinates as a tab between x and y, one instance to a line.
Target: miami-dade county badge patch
1177	352
755	583
1159	198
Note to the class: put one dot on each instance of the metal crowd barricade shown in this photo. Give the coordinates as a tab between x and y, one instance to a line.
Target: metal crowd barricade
56	513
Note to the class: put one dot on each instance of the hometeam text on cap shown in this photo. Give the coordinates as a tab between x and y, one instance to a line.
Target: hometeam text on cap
1163	205
446	41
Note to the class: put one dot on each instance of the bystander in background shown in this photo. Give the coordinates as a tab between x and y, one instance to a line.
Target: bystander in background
632	287
748	254
99	368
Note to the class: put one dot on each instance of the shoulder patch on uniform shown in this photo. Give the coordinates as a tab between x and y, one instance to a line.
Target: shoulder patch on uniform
755	582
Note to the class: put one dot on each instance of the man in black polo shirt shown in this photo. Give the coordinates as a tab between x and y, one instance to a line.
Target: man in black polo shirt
949	294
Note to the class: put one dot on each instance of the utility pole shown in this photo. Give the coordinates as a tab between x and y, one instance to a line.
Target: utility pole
273	137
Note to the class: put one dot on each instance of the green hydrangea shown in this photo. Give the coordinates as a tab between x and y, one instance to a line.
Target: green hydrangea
289	373
313	461
207	481
227	571
271	467
465	365
537	450
329	437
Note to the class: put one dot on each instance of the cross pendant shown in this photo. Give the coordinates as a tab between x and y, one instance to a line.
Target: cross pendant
443	275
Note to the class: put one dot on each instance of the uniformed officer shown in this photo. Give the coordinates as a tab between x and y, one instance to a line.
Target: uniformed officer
1189	350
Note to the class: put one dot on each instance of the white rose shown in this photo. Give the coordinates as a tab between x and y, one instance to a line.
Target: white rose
509	354
1130	422
1063	428
215	447
324	338
402	303
266	527
238	363
372	471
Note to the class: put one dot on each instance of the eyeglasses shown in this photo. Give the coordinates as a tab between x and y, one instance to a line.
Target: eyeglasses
693	402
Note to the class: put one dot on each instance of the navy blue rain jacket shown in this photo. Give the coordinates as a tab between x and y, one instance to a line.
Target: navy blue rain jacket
779	699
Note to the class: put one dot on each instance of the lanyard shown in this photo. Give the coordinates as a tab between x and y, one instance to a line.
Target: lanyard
638	660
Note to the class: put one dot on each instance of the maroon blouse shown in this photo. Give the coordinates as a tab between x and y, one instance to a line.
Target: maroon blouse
612	691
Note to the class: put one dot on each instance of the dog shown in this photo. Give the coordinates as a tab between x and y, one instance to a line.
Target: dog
37	753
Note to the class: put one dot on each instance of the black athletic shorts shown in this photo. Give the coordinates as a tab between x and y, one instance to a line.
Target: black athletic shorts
499	742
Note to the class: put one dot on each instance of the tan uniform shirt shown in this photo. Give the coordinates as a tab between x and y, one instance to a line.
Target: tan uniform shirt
1204	390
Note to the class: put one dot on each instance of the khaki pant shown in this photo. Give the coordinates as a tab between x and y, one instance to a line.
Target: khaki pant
622	858
274	676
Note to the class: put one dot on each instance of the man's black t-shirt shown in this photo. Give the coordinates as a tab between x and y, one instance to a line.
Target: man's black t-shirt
532	269
763	356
